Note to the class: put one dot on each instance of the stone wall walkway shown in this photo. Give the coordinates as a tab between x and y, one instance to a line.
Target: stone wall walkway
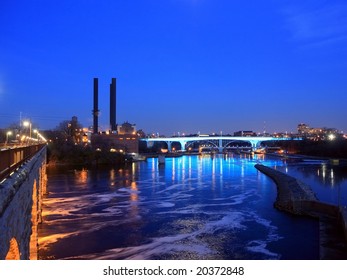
295	197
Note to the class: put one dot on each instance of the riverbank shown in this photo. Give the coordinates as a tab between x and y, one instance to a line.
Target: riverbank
296	198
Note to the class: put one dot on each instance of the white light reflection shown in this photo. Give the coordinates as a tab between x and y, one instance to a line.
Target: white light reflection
221	162
154	169
213	172
332	178
190	167
173	170
242	170
324	168
182	163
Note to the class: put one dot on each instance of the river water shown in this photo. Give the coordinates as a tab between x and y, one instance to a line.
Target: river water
193	207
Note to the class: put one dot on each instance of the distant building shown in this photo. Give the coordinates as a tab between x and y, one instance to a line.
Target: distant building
86	136
316	134
74	130
303	129
245	133
126	128
125	141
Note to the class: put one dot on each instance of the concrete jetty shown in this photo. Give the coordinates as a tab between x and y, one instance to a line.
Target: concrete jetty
297	198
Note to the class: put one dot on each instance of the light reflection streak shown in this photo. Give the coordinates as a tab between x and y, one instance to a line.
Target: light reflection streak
81	176
213	172
242	170
221	168
190	167
332	178
112	177
133	170
154	168
134	198
173	170
324	172
182	163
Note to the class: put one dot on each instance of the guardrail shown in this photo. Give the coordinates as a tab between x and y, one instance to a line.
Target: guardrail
11	159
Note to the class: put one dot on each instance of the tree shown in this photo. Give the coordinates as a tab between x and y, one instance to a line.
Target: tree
70	131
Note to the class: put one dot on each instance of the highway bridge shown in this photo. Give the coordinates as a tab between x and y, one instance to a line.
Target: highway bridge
219	142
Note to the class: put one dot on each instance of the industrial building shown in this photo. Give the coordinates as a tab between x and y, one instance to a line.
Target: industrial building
123	138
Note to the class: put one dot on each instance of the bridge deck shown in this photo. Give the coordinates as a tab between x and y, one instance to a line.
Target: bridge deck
11	159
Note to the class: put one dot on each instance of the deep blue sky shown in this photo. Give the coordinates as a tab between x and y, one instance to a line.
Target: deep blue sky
181	66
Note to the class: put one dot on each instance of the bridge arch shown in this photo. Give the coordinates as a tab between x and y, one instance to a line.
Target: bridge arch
13	252
214	144
33	247
236	141
175	145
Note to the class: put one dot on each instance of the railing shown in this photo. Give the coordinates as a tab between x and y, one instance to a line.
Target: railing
11	159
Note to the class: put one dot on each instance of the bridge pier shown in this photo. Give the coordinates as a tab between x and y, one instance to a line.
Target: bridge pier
183	145
255	144
20	209
169	146
220	145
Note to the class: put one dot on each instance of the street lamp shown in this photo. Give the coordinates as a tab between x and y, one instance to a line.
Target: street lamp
37	134
28	124
8	133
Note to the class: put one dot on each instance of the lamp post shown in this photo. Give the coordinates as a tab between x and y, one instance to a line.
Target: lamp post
37	135
28	124
8	133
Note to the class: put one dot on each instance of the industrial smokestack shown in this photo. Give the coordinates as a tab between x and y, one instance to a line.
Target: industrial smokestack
96	106
113	105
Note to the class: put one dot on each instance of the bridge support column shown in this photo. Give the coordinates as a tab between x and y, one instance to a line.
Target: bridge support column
183	145
220	146
149	143
255	145
169	146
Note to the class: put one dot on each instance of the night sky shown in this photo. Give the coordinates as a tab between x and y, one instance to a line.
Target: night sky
183	66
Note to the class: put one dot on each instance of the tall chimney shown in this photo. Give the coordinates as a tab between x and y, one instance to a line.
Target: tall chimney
113	105
96	107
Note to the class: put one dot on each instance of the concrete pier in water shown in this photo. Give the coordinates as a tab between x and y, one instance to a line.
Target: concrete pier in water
295	197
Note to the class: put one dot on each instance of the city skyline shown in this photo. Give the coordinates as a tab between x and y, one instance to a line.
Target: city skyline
181	66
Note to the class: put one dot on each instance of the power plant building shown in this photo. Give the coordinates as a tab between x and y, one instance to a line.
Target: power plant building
122	138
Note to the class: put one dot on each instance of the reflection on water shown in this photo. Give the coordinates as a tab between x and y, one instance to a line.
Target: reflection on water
328	182
81	176
205	207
